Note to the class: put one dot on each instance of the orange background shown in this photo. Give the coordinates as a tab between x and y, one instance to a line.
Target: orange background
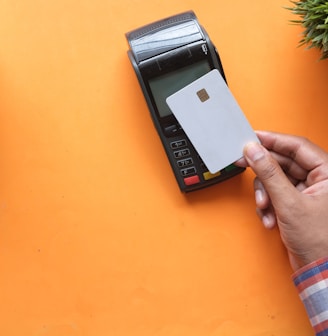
95	237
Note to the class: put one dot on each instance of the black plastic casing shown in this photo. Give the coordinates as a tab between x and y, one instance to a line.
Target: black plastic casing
161	48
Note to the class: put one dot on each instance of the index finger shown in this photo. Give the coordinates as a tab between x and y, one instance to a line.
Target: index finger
305	153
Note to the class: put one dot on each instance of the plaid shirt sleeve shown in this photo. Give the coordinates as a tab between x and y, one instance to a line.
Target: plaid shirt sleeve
311	282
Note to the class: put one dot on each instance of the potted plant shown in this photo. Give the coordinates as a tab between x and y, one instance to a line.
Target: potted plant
313	17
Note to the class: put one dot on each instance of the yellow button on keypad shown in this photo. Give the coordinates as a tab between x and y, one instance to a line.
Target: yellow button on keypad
208	175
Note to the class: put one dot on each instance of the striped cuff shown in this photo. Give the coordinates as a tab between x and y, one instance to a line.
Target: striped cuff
311	282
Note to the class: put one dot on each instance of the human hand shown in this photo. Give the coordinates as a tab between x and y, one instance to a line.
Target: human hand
291	190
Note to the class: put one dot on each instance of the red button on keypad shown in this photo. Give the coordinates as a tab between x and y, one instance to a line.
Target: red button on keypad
191	180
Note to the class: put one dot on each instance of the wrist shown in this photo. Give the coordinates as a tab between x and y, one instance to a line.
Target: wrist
308	269
311	282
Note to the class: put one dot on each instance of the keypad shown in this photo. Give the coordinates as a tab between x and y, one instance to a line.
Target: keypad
192	172
182	153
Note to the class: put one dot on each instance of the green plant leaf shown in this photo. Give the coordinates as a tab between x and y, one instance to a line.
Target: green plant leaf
313	17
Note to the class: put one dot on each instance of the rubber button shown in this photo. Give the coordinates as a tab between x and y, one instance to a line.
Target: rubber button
178	144
229	168
208	175
191	180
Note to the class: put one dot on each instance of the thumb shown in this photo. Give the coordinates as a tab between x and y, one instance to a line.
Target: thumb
269	172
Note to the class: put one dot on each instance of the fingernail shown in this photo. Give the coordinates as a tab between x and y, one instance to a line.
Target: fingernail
254	151
259	197
268	222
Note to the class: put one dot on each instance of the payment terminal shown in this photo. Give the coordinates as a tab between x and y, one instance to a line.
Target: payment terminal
166	56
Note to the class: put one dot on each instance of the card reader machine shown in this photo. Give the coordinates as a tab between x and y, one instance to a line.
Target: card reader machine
167	55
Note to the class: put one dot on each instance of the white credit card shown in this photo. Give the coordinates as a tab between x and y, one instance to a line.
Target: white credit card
212	120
